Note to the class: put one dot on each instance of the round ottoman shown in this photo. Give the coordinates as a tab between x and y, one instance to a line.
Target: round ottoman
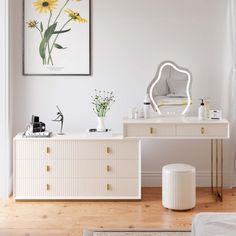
178	186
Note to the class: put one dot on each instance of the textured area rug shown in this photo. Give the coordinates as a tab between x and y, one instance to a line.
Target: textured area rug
136	233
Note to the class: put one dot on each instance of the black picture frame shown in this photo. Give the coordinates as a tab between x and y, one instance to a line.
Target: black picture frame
57	74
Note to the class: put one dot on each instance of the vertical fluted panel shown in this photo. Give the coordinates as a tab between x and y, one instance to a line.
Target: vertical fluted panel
178	188
76	169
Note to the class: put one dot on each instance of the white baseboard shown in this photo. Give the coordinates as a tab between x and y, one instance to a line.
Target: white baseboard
203	179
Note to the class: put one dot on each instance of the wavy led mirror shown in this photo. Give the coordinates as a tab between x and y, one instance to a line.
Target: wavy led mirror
169	91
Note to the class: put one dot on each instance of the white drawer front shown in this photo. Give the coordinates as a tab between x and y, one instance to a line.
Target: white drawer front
204	130
108	169
48	150
40	149
149	130
77	169
127	149
77	189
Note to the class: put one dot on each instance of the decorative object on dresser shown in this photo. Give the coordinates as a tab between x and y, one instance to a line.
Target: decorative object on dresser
102	102
75	167
36	128
95	133
185	128
59	118
202	111
169	91
215	114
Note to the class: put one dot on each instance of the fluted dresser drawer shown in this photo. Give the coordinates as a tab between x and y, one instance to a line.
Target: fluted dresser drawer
77	169
49	149
108	150
40	149
80	189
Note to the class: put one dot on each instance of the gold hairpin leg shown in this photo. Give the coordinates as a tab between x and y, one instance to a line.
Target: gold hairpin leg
217	170
212	183
222	168
217	191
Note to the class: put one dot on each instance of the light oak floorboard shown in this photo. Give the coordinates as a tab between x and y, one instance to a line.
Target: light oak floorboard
57	218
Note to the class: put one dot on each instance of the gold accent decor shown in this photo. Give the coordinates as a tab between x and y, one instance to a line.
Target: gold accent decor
108	187
48	150
202	130
151	130
108	150
108	168
48	187
217	169
212	158
222	168
48	168
217	190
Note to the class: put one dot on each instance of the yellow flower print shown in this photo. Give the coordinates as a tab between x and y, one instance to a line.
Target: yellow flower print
45	6
75	16
32	23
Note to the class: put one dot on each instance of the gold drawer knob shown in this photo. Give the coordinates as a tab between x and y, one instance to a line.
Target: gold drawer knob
48	150
48	187
108	150
47	168
151	130
108	187
108	168
202	130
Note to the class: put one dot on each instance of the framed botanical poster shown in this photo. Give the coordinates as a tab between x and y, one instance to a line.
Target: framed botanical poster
57	37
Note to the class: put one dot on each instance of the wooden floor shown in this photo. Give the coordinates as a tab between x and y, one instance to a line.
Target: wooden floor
71	217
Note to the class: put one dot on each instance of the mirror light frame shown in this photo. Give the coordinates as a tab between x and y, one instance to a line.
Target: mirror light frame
158	77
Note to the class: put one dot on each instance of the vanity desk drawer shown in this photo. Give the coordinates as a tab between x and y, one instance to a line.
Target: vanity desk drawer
202	130
149	130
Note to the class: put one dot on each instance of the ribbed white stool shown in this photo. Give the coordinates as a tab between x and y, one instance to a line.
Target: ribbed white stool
178	186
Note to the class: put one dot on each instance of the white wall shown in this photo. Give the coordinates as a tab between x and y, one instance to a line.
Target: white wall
129	39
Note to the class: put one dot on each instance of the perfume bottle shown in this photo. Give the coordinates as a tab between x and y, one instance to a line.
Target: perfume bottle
201	111
146	106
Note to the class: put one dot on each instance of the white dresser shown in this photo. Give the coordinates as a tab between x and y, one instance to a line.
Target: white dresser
74	167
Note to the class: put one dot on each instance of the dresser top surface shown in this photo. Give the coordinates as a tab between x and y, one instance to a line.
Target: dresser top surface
174	120
69	136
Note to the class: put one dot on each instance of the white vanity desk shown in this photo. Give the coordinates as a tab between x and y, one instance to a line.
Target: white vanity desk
185	128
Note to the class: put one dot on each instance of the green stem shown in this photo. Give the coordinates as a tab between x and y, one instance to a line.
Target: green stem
44	60
61	11
48	45
58	35
39	31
